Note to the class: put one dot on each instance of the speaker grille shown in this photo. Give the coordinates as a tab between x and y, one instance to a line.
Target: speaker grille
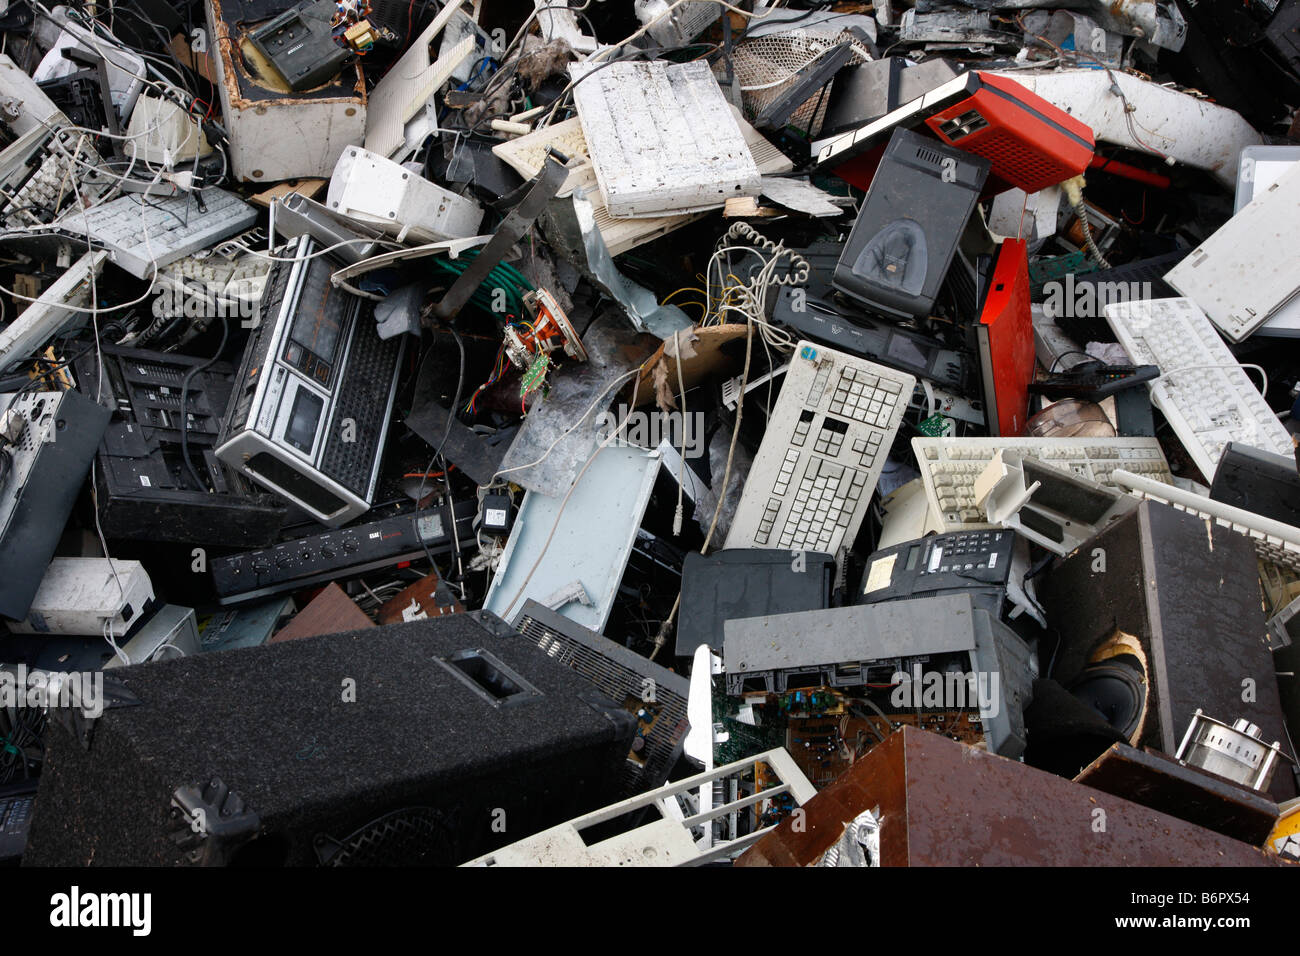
625	678
928	156
412	836
1017	161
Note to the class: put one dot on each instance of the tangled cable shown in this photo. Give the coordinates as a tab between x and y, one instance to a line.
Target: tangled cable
801	268
750	299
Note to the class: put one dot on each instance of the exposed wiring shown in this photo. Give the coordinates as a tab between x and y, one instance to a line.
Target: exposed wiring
1074	194
661	637
750	299
498	369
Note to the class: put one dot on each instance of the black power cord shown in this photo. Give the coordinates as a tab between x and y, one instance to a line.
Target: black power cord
419	495
185	392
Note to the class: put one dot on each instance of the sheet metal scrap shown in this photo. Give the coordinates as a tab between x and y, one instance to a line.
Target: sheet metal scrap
946	804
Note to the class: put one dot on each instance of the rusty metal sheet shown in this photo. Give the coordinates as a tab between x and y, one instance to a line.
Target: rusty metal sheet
1189	793
946	804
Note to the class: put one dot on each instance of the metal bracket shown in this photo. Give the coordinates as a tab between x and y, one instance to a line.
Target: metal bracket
513	228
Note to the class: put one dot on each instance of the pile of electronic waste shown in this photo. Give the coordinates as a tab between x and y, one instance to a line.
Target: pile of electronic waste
803	387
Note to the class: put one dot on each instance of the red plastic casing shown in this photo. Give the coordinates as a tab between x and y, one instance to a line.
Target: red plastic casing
1031	143
1006	341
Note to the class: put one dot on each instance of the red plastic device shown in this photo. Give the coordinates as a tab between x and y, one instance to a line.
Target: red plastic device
1031	143
1006	341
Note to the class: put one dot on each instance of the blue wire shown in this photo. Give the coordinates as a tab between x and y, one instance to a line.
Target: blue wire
474	71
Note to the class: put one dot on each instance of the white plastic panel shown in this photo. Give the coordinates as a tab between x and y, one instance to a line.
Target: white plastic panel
1244	273
667	841
375	190
409	83
592	541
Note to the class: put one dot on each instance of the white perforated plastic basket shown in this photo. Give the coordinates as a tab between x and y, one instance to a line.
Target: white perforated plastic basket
766	66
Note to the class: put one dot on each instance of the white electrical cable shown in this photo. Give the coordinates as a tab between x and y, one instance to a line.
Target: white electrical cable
95	310
106	632
318	252
1192	368
681	477
104	170
99	356
753	298
94	504
89	24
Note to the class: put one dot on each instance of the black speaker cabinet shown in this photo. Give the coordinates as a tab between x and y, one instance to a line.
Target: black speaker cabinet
1188	592
427	742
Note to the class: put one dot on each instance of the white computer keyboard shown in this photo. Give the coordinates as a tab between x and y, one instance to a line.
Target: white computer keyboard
49	188
822	453
527	154
140	230
1207	397
949	467
226	271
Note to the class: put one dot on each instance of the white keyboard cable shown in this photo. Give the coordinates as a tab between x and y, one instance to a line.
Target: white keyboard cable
1192	368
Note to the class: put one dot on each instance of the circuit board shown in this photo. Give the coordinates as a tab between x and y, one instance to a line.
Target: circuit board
743	739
